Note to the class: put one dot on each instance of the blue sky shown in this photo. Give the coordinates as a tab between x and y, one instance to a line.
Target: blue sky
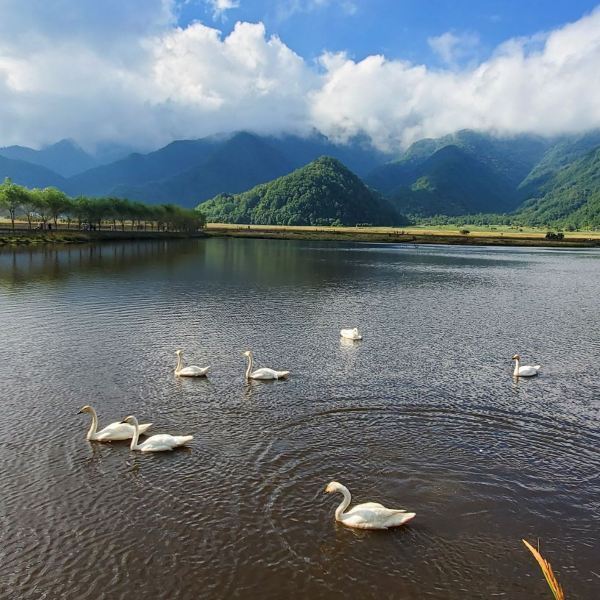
146	72
399	29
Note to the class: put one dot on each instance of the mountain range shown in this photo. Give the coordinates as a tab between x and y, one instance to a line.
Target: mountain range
536	179
65	157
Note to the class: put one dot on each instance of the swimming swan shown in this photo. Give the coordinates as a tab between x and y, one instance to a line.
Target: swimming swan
191	371
263	373
370	515
525	370
156	443
351	334
114	432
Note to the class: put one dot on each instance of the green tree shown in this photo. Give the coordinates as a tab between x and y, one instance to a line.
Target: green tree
58	202
42	209
12	198
29	208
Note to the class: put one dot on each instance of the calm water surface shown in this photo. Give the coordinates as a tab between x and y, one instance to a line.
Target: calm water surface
422	414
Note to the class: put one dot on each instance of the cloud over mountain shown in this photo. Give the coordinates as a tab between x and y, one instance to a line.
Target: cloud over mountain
122	70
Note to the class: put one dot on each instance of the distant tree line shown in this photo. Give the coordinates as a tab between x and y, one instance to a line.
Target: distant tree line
511	220
41	207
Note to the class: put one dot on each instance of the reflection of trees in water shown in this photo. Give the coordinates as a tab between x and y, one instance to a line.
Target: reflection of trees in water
51	264
261	261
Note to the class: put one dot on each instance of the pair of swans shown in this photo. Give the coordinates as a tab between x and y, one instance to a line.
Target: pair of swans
370	515
129	428
525	370
194	371
351	334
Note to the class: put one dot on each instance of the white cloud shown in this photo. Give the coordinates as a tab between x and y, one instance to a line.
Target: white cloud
452	48
526	86
220	7
123	77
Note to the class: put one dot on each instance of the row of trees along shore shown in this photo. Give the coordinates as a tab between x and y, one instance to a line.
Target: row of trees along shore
42	206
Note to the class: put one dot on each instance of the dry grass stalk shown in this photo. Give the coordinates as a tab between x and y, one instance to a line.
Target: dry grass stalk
547	571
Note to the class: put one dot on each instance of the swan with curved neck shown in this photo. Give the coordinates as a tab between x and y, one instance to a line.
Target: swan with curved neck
370	515
111	433
351	334
155	443
525	370
191	371
263	373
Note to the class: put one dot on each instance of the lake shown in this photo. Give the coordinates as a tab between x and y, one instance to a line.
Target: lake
423	414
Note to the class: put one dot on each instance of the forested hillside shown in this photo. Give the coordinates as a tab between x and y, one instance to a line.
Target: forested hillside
323	192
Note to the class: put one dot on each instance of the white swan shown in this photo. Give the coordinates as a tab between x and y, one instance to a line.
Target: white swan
156	443
263	373
111	433
351	334
525	370
191	371
370	515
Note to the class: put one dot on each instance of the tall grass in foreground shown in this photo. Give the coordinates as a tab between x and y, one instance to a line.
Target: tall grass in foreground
547	571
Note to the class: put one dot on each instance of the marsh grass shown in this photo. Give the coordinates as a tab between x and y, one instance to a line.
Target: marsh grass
547	571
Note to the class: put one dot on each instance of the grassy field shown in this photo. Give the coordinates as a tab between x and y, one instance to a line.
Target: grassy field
501	236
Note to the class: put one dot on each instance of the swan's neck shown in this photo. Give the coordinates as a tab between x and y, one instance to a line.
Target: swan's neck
94	426
516	371
345	503
136	435
179	364
249	369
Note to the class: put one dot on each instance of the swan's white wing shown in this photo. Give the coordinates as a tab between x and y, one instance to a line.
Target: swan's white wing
119	431
351	334
193	371
369	506
372	515
264	373
528	371
114	432
163	442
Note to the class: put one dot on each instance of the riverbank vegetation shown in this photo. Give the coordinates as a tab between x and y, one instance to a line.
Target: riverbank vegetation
49	208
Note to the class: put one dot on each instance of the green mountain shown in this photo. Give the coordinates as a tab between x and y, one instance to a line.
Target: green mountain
321	193
569	198
511	158
566	150
28	174
452	182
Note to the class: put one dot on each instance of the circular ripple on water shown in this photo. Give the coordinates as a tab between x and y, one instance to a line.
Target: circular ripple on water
478	480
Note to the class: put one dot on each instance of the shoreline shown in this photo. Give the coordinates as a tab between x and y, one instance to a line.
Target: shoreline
28	238
397	236
22	238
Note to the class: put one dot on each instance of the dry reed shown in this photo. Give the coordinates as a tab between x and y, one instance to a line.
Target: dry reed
547	571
